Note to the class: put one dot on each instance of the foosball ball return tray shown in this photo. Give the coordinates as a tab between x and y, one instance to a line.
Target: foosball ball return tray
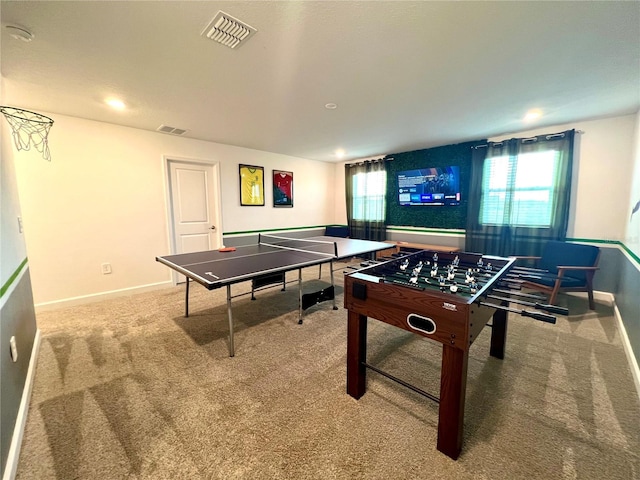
445	297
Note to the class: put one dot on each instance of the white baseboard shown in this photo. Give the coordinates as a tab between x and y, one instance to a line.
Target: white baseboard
606	297
96	297
11	466
602	297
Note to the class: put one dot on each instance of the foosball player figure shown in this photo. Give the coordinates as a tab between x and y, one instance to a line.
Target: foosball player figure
434	270
469	277
451	272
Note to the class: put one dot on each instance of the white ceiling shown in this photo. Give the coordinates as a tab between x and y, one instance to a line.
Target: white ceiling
405	75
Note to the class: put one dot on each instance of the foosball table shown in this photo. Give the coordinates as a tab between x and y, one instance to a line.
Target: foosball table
446	297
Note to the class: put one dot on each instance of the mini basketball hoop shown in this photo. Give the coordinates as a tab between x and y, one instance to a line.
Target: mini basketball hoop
29	128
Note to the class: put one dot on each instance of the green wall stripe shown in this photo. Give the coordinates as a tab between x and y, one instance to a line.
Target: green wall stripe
631	254
12	278
591	240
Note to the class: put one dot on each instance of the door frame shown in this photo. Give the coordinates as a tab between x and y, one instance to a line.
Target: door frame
167	160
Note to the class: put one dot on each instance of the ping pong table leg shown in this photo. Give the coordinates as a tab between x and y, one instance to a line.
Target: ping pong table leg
333	285
299	296
186	299
231	349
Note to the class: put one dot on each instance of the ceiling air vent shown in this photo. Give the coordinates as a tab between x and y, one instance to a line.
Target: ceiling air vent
171	130
228	31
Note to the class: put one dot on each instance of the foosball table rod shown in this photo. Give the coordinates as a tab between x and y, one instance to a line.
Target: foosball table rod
543	317
538	306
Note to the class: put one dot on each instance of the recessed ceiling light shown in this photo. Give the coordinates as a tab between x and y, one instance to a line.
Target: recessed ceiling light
115	103
20	33
532	115
331	106
340	153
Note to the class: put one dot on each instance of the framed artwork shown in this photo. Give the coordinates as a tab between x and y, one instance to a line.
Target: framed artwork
251	185
282	188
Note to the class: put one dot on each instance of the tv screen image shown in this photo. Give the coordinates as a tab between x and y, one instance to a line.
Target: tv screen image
429	186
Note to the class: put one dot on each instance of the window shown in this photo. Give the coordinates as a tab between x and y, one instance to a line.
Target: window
369	189
519	191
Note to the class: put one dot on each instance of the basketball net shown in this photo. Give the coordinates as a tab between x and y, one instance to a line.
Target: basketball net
29	128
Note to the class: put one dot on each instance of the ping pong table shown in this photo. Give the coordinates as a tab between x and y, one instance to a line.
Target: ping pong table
266	263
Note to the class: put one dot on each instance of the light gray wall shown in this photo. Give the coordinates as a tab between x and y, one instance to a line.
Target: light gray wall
627	293
628	301
607	278
18	320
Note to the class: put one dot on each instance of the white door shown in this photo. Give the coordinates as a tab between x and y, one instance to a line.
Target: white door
195	206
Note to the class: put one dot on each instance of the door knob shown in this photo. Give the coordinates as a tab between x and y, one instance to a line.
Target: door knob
212	227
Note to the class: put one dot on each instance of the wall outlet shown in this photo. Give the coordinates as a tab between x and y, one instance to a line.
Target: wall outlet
14	349
20	228
106	268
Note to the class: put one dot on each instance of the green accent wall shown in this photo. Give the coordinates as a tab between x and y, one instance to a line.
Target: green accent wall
430	216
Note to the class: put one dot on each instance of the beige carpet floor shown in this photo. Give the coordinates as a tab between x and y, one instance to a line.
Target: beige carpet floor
128	388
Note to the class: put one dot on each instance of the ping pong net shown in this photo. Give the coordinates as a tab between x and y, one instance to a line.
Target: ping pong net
320	247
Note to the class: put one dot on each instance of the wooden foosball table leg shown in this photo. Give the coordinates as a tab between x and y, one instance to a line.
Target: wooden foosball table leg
498	334
453	384
356	354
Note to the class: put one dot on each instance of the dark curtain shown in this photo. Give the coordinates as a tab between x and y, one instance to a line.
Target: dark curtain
508	239
366	210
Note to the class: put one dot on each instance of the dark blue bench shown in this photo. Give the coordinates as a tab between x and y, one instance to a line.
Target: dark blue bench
564	266
337	231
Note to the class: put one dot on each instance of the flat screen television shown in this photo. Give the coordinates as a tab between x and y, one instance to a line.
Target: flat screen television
429	186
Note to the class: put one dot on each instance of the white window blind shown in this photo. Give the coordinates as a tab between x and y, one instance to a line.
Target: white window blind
519	191
369	189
